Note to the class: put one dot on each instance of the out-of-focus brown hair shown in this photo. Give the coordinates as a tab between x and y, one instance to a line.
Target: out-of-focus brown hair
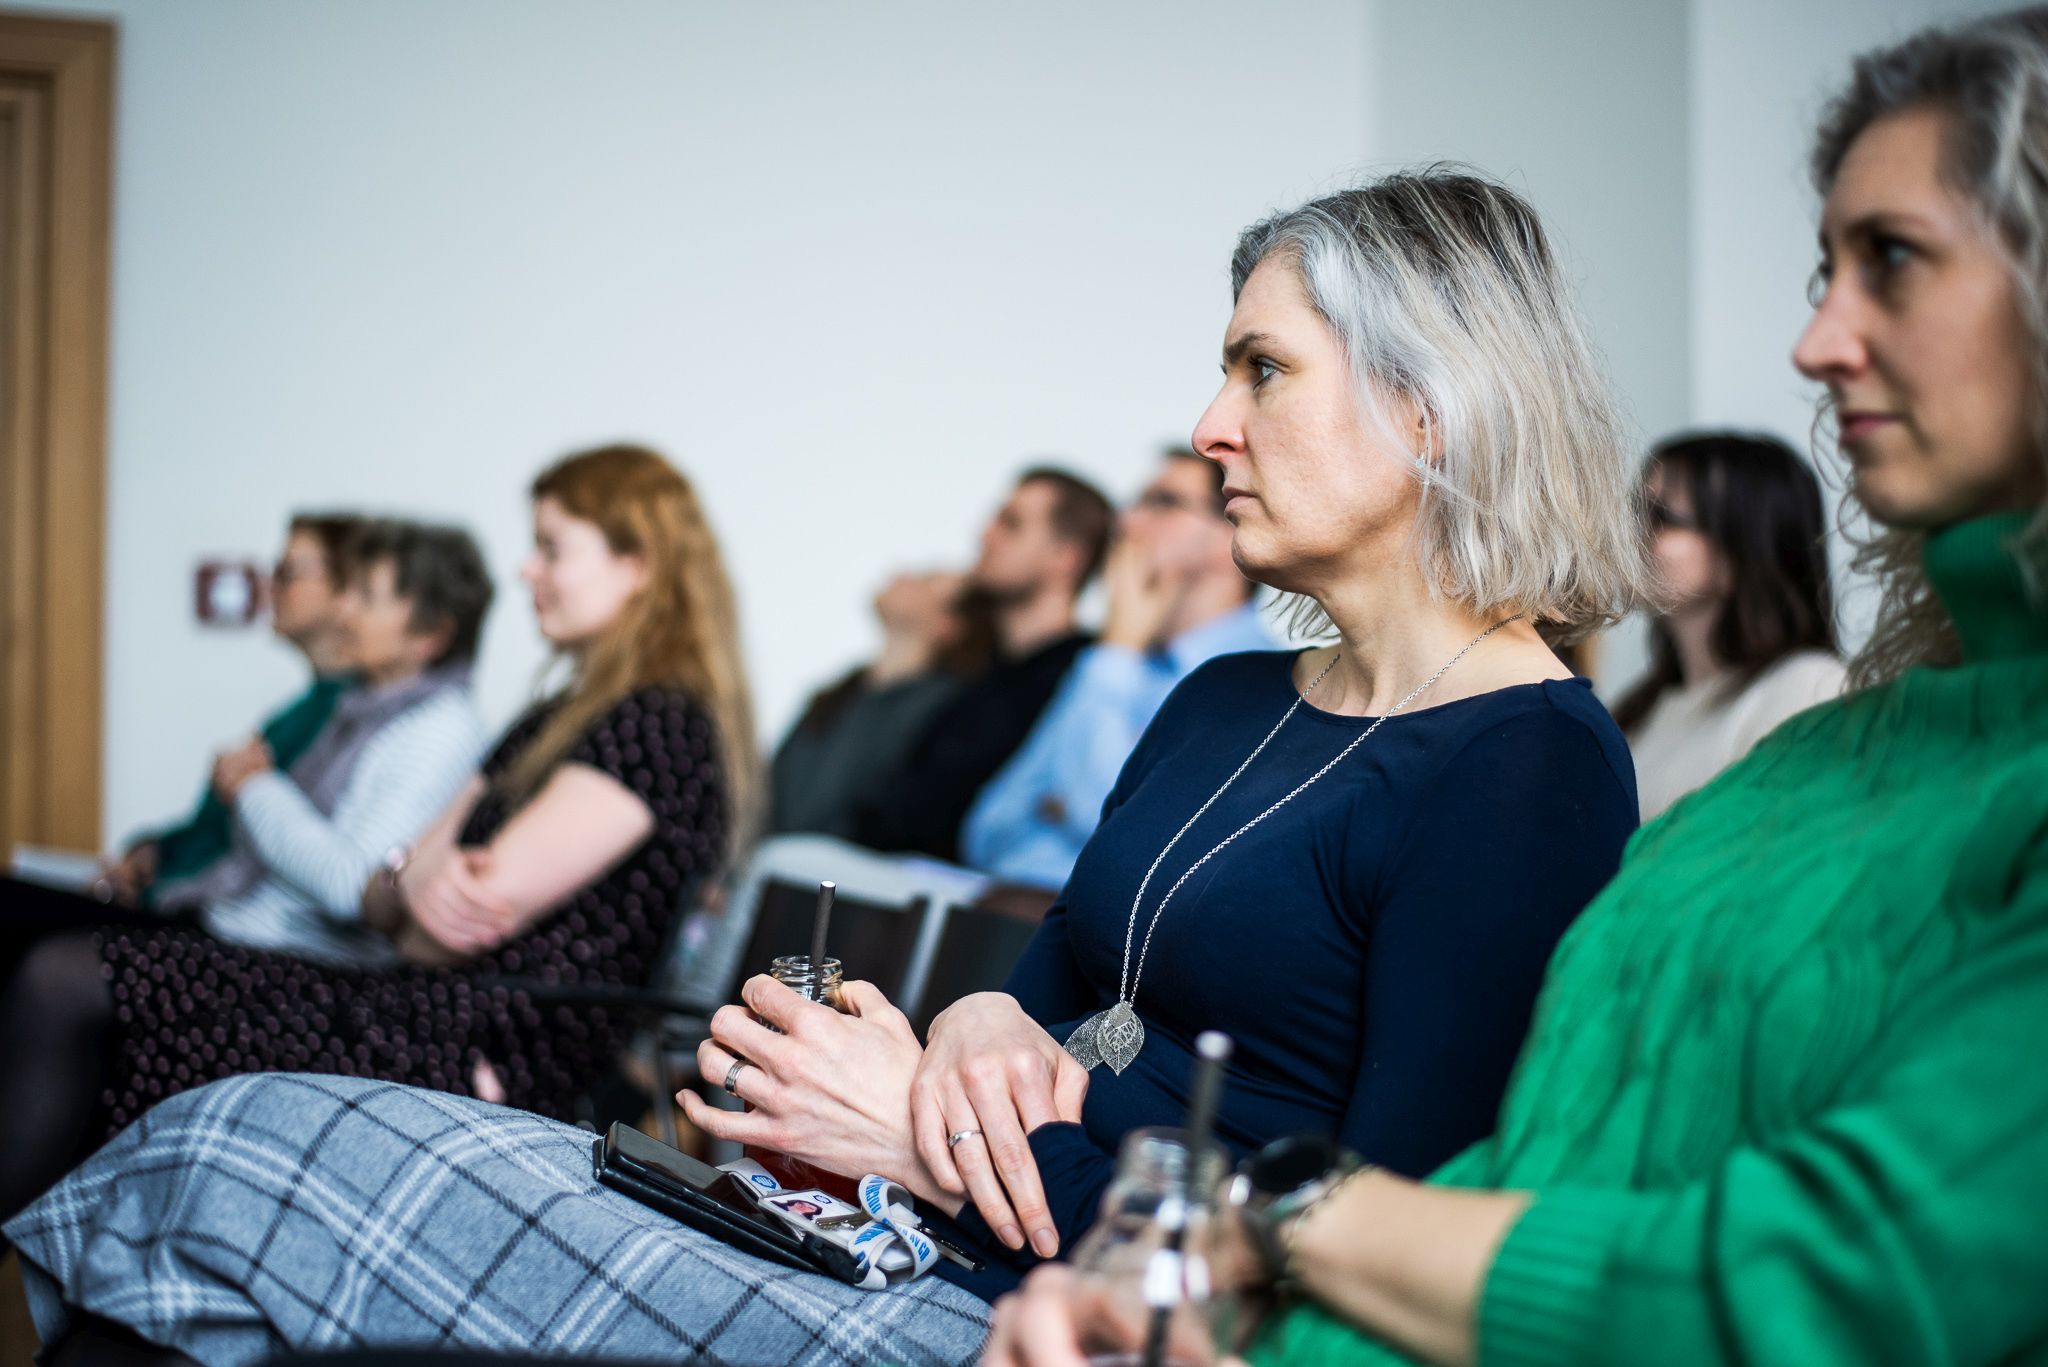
681	629
336	533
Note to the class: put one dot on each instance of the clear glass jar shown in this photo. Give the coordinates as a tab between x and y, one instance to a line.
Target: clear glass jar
819	984
1143	1271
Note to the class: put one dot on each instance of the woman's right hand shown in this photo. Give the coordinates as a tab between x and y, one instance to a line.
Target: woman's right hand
989	1067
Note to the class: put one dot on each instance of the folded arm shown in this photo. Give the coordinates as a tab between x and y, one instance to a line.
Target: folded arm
403	777
572	832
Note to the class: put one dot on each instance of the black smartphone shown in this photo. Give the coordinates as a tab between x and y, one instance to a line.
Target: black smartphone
711	1201
656	1161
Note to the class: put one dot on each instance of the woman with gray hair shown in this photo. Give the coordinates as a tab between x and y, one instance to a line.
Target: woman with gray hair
1356	859
1783	1100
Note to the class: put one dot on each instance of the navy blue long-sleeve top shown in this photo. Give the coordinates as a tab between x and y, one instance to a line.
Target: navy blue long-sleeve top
1374	948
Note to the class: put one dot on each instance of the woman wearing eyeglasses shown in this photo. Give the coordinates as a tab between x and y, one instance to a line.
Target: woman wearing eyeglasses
1747	638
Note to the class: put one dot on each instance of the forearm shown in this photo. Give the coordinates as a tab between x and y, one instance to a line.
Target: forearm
416	946
1405	1261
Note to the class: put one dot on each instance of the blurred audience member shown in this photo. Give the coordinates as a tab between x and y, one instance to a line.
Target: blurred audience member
935	637
396	751
1042	547
305	596
1176	599
1748	638
563	861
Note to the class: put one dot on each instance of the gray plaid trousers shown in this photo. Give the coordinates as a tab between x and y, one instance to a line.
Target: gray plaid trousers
288	1210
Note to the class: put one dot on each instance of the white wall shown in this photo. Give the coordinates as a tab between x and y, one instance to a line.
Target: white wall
850	264
1580	104
1761	72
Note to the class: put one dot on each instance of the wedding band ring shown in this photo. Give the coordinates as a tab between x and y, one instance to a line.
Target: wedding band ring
732	1076
953	1139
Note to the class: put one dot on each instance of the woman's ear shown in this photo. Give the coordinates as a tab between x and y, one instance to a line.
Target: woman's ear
433	643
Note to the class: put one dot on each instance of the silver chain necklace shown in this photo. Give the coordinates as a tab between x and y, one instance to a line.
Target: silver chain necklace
1114	1036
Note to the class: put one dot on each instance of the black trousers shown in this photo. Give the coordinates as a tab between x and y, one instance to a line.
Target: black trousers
56	1026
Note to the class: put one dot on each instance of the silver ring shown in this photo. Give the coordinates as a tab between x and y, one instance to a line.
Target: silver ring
953	1139
732	1076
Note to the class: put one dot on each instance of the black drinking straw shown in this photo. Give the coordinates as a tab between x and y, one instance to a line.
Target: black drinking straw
826	891
1212	1051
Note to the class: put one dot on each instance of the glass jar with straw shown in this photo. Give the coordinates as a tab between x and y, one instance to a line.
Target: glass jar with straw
1143	1272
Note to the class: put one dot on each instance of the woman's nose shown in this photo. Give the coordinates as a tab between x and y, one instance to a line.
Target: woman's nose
1831	346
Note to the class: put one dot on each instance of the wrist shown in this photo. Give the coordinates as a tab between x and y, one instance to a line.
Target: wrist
1128	635
1278	1190
1318	1230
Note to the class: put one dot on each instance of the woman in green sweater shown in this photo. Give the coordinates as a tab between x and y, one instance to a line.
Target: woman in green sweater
1783	1098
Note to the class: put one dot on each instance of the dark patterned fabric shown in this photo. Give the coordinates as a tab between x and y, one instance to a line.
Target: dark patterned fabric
302	1212
190	1009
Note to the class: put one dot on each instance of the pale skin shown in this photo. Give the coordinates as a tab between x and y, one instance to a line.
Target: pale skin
1321	508
1920	341
1033	572
1170	569
1695	575
918	621
456	901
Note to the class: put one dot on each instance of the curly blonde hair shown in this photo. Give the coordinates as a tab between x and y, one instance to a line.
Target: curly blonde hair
1990	78
681	629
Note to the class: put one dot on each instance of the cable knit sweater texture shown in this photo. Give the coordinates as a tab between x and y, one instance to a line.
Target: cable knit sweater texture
1783	1100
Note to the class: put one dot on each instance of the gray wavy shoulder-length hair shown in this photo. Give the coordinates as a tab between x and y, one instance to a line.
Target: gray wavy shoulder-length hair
1442	287
1991	78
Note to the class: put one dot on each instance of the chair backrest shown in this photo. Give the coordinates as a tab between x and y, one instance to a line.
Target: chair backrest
975	951
873	939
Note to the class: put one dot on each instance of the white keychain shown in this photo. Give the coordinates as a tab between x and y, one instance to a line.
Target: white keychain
881	1233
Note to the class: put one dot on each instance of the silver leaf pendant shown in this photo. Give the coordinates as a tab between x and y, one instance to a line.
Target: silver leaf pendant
1083	1043
1114	1037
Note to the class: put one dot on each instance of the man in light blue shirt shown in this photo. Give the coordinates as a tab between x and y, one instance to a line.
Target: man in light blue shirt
1176	599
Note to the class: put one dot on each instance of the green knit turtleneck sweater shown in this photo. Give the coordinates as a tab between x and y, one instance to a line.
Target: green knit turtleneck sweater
1785	1096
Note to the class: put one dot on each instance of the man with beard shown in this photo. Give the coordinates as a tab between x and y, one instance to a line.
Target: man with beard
1039	551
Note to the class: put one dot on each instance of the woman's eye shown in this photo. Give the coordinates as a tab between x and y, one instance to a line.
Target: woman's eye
1888	257
1817	283
1262	371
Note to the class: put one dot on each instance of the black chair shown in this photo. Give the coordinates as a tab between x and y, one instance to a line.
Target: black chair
974	951
874	939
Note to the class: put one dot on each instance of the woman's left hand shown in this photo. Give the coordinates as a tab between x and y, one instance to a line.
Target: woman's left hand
448	900
831	1089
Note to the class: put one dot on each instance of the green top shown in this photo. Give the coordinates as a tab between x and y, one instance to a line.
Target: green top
1784	1099
204	837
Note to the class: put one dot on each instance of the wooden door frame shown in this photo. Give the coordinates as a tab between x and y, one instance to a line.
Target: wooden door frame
53	446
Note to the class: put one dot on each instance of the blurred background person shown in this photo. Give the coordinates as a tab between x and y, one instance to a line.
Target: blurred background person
1176	599
305	595
936	637
398	748
1039	551
564	860
1748	636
